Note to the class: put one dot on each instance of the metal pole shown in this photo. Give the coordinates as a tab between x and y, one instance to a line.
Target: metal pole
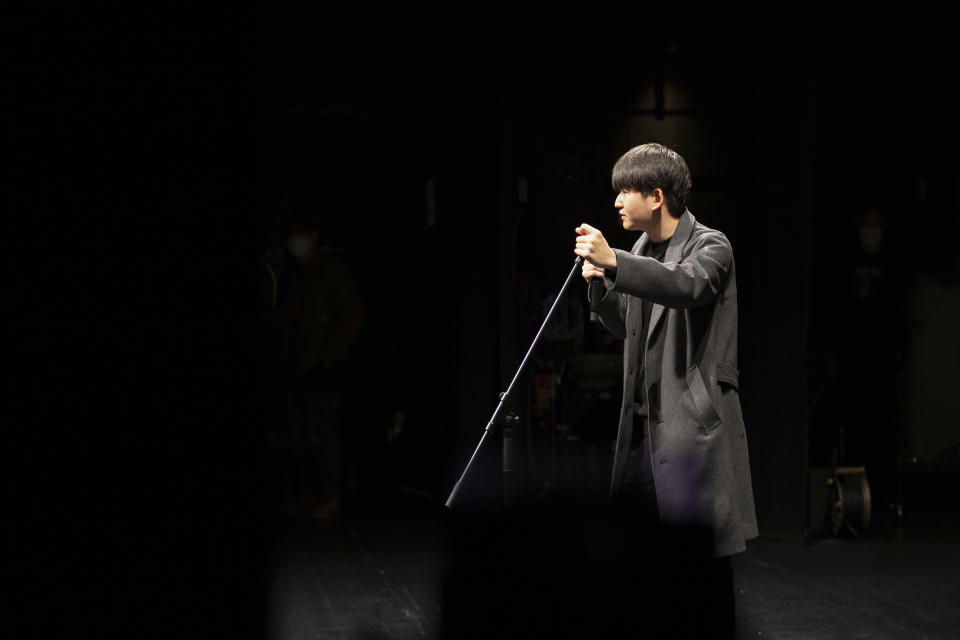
506	394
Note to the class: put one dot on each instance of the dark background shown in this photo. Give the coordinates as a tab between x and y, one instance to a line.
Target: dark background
153	154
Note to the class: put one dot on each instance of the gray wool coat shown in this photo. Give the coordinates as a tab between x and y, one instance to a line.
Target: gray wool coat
700	463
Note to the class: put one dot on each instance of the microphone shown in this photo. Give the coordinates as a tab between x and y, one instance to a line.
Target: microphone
594	293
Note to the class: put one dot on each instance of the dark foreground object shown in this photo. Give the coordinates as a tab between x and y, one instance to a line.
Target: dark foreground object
386	569
581	571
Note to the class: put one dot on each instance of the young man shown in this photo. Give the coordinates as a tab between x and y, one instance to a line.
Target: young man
681	453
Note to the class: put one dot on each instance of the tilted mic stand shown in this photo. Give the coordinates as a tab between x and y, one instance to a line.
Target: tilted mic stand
505	396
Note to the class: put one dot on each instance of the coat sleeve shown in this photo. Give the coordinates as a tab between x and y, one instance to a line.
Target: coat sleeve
695	281
613	313
613	309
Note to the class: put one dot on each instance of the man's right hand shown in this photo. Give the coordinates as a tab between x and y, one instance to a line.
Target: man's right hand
589	270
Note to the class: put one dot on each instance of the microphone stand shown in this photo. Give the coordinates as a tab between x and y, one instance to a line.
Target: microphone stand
504	397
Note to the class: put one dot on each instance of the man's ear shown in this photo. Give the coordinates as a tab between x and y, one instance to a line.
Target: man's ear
658	198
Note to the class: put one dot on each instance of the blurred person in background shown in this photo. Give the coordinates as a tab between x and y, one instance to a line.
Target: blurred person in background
323	312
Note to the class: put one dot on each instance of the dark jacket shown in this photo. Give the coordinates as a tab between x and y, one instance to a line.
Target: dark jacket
698	443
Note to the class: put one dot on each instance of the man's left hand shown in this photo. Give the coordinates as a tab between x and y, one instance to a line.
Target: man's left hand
593	247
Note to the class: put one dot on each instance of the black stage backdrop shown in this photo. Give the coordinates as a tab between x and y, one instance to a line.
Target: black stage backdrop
449	154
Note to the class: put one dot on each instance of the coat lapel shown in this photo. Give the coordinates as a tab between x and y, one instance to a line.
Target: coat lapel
674	252
641	247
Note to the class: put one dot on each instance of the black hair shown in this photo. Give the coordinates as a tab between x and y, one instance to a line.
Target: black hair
651	166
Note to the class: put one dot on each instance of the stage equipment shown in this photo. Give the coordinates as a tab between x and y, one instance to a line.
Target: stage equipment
838	498
505	397
850	500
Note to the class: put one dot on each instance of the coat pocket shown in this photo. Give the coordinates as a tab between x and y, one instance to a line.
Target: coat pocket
707	417
727	375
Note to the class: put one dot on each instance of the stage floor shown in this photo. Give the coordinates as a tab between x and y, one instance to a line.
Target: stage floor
377	573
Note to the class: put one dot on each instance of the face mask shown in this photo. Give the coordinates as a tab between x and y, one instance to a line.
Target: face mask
299	245
870	238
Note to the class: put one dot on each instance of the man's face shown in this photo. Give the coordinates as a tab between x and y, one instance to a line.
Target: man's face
301	244
637	212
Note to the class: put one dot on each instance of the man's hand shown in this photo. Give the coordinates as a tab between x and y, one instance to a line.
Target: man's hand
590	271
594	248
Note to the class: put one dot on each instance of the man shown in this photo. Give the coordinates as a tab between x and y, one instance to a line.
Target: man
681	453
326	312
